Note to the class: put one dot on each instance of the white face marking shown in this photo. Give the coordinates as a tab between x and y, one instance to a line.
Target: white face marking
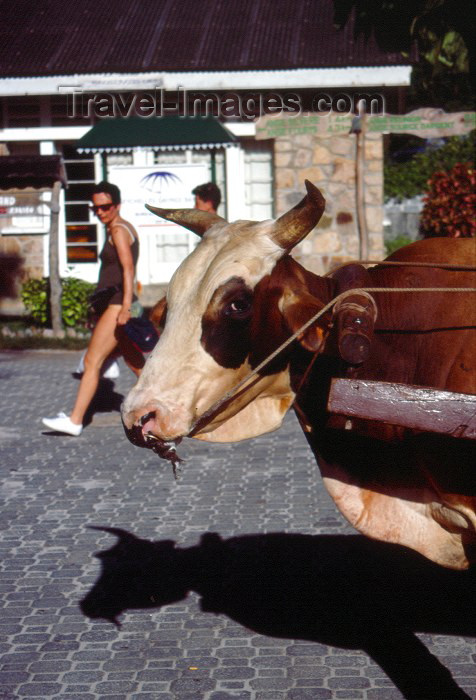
241	249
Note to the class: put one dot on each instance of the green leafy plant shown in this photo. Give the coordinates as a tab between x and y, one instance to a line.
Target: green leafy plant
74	300
397	242
34	295
450	205
403	180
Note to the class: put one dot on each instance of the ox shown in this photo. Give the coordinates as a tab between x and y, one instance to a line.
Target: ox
239	294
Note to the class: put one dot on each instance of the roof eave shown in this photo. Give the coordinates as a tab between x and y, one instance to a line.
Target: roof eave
298	78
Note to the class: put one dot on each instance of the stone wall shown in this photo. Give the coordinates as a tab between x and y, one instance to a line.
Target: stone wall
327	158
30	249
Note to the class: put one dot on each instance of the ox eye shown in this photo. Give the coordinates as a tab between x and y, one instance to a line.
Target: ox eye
239	308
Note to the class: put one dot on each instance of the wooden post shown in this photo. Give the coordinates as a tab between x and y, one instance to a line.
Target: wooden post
55	281
359	128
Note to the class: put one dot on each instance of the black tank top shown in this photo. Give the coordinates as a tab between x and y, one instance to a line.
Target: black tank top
110	272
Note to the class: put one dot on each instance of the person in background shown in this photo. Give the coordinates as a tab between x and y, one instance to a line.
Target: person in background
207	197
116	289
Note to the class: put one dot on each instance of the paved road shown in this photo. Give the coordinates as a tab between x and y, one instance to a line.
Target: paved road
280	604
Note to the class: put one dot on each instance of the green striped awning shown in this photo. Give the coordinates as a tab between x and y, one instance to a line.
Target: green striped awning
168	133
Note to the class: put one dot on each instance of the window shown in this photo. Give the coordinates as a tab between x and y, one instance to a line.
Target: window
258	179
81	233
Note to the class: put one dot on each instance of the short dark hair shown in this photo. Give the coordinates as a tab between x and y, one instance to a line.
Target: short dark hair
209	192
108	188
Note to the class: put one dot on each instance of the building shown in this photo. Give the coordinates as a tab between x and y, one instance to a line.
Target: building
256	96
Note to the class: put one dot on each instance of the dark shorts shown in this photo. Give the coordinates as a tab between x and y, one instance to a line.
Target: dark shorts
116	298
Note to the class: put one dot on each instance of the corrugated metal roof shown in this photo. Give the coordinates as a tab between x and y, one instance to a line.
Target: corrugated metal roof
53	37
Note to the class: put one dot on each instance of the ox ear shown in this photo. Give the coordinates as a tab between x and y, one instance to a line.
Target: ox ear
293	226
297	309
194	220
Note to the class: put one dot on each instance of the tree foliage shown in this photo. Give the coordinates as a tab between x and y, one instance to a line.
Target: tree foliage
403	180
443	32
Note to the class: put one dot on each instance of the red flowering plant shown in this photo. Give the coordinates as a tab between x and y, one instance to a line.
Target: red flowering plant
450	204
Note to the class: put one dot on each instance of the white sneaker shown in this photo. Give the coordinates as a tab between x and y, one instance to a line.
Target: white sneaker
80	368
112	371
63	424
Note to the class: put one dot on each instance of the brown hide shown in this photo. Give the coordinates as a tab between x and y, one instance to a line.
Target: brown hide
391	484
395	484
283	302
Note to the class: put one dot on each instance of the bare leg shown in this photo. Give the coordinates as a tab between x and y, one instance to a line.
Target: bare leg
103	342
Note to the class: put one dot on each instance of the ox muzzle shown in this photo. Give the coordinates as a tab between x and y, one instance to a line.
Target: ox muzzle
166	449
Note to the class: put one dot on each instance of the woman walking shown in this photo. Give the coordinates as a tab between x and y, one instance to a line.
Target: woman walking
115	294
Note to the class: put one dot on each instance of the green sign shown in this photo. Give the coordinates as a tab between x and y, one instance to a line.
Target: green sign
427	123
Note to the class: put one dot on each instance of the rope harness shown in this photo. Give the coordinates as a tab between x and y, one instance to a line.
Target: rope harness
204	418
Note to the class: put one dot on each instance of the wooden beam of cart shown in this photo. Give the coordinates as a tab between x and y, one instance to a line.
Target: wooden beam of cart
406	405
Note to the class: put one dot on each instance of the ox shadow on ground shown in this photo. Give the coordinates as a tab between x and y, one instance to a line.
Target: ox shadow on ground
345	591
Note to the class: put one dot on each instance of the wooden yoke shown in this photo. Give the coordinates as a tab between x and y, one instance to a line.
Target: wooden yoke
354	314
415	407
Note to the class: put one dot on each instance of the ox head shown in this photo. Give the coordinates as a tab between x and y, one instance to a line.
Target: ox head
205	347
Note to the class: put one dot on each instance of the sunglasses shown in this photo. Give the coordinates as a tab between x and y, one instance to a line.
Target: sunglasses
101	207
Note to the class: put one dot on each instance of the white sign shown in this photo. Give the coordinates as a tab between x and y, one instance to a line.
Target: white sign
24	212
163	245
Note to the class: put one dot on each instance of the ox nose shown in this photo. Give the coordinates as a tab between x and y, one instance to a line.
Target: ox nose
136	433
139	435
155	419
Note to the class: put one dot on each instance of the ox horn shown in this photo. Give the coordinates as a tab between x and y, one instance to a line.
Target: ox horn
293	226
193	219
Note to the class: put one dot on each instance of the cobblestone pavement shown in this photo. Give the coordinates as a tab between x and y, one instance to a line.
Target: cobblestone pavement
263	617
